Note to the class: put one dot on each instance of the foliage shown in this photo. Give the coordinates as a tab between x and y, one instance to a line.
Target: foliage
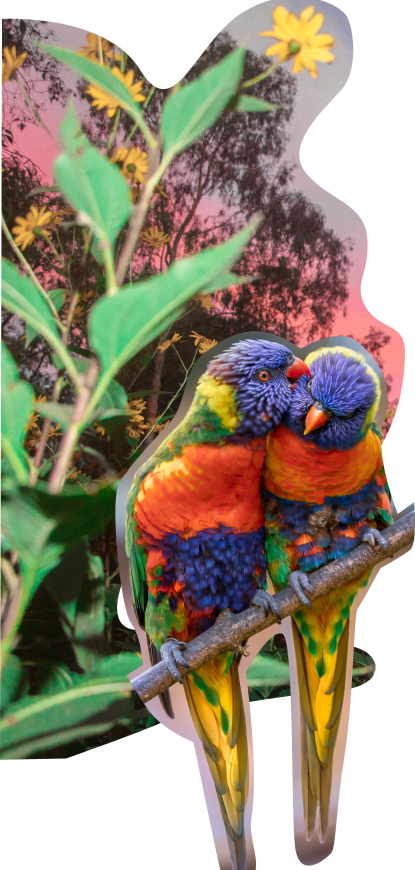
59	569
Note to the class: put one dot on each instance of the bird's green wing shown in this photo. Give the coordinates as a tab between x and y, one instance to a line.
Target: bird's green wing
137	557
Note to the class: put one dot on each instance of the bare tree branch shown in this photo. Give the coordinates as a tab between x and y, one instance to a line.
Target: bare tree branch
230	633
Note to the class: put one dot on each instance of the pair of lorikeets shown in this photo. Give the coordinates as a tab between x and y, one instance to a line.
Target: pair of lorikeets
260	476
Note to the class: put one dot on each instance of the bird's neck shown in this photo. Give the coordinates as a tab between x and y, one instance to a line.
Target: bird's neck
299	470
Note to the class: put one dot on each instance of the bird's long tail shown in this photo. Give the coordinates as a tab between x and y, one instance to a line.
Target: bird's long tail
321	701
215	701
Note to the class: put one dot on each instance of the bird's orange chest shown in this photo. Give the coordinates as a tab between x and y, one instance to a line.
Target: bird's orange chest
301	471
205	487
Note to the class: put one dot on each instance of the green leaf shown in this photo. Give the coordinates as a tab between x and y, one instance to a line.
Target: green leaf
30	335
98	75
93	704
90	642
266	670
245	103
64	584
80	350
21	296
61	413
16	407
57	297
121	325
111	600
93	185
114	397
222	282
41	527
193	109
11	679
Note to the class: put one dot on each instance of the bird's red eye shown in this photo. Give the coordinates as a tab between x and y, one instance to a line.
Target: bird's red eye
264	375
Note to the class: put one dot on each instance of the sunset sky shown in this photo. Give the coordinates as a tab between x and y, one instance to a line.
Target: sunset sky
312	96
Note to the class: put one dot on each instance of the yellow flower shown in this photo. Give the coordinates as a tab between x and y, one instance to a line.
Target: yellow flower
99	429
32	421
161	190
92	49
298	38
162	347
11	62
154	237
56	218
205	301
102	100
133	163
203	344
28	228
136	424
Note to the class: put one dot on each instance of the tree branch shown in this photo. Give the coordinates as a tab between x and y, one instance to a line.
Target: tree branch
230	633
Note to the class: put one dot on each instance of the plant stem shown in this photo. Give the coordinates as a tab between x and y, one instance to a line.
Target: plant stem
30	272
55	398
260	77
52	247
112	286
114	129
139	216
70	438
149	96
100	54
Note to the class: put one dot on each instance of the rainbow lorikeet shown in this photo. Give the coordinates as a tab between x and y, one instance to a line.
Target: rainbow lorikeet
195	540
324	492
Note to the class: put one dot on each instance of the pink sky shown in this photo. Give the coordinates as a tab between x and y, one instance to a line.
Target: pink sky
35	142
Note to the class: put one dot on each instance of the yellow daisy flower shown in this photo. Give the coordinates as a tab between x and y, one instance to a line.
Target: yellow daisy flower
27	228
102	100
162	347
133	163
154	237
205	301
136	424
92	49
203	344
11	62
298	38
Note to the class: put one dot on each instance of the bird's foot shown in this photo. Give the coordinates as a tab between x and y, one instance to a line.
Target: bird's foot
298	581
374	538
263	599
170	652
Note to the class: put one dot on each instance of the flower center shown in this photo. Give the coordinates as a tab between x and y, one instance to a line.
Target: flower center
131	167
37	231
294	46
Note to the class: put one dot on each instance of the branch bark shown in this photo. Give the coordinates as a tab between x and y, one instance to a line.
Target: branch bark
230	633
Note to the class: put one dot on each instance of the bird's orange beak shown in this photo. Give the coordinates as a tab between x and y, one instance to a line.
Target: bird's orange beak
314	419
298	368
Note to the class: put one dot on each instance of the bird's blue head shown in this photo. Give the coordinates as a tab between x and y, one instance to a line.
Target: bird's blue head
252	375
337	405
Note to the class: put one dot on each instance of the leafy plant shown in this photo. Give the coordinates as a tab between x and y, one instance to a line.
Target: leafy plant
59	572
